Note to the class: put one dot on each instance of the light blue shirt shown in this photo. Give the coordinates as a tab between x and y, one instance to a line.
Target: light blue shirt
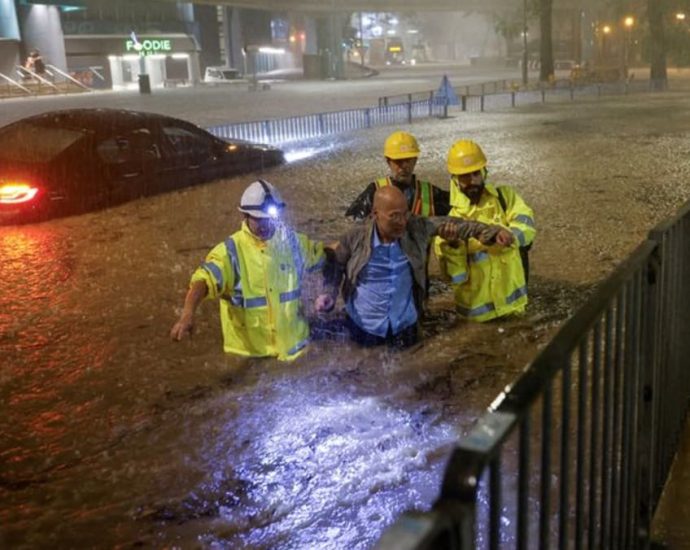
383	298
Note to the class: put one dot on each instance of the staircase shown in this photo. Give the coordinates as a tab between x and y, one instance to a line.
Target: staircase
27	83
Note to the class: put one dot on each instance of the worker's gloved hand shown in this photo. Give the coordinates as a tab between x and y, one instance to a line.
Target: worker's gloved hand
183	327
324	303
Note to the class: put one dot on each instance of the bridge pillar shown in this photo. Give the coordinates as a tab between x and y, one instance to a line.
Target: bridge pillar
41	29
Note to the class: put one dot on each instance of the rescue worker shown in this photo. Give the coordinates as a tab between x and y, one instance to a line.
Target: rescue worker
257	275
488	281
383	264
401	151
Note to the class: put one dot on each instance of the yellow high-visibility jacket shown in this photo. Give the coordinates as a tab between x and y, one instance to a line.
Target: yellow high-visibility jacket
488	281
258	284
423	201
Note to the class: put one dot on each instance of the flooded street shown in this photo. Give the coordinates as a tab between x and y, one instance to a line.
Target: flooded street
114	436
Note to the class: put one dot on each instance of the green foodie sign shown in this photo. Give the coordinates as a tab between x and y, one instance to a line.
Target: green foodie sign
148	46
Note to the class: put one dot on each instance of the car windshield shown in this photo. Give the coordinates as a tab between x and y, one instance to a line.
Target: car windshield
35	144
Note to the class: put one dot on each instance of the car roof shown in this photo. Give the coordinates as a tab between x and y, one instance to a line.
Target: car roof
93	118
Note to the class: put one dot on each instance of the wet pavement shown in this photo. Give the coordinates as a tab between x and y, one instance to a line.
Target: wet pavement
113	436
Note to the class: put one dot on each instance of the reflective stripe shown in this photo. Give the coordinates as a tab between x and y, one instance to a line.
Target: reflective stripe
523	218
382	182
517	294
298	346
423	205
215	272
481	310
519	235
478	257
318	265
289	296
459	278
239	301
231	249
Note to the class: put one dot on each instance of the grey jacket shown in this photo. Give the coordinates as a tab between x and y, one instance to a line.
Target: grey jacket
354	251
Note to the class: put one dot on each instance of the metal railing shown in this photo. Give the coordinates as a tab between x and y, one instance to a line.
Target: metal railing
502	94
66	77
285	130
576	452
12	84
23	72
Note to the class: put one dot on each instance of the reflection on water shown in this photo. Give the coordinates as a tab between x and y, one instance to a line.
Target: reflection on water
312	462
43	351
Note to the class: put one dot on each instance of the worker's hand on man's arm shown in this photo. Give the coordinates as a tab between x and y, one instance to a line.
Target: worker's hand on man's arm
504	237
449	231
495	234
185	324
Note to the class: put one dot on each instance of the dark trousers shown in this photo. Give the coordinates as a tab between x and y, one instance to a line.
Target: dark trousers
405	338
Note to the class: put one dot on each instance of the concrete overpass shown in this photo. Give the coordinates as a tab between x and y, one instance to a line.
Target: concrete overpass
343	6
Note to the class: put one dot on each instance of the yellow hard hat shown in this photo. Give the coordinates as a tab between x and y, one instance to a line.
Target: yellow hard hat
465	157
401	145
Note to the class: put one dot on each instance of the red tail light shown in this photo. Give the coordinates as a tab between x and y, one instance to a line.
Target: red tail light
16	193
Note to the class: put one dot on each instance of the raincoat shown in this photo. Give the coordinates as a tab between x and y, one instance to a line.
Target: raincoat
488	281
258	284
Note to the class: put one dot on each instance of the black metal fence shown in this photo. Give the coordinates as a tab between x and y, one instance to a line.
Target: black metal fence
576	452
501	94
285	130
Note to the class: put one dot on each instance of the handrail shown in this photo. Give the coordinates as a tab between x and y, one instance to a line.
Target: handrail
69	77
595	421
36	76
15	83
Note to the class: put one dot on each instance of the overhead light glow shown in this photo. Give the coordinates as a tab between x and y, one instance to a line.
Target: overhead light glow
268	49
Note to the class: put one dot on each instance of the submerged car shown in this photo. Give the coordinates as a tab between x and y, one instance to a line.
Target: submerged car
67	162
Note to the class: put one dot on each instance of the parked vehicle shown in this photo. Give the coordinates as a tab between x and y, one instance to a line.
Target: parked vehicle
215	75
65	162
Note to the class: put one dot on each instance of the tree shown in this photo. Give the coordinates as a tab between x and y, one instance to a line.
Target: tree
546	44
655	16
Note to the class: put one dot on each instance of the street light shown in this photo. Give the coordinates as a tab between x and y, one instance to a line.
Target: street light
628	22
606	30
680	16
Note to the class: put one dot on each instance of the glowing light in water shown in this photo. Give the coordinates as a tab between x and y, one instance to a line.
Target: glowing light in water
295	155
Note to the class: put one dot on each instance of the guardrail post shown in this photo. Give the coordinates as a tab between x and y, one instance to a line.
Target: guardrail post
649	394
367	117
481	102
543	94
512	99
445	107
409	110
463	101
322	129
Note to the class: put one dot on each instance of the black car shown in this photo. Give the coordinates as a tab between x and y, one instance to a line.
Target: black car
66	162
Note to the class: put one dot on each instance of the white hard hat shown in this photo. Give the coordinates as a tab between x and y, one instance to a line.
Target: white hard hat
261	200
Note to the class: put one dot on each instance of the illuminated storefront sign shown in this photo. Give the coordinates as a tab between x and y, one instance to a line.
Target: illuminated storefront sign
148	46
